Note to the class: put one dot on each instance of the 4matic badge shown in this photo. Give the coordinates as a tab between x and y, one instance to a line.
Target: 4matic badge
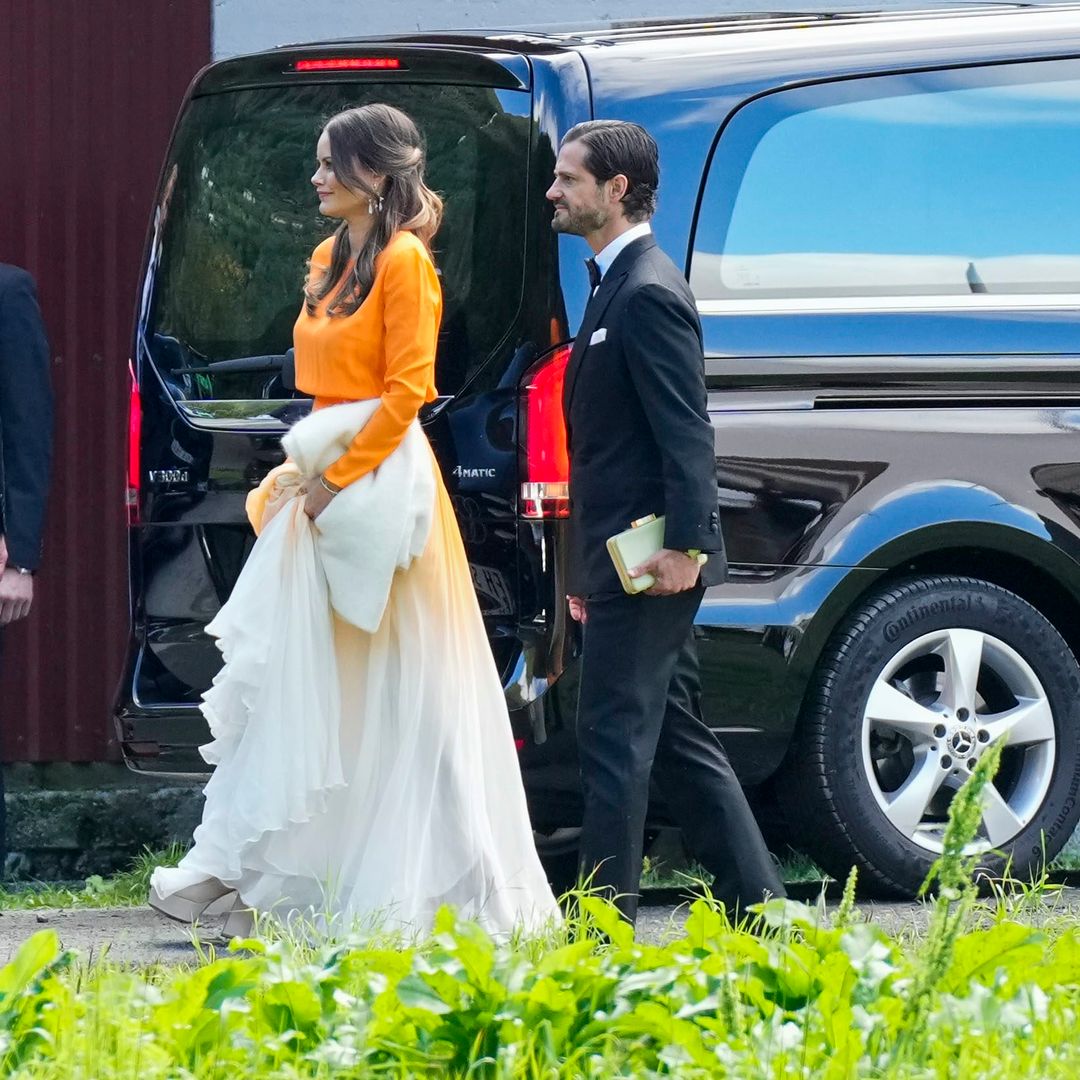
473	474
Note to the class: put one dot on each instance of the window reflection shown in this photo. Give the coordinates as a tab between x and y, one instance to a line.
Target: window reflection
932	184
228	259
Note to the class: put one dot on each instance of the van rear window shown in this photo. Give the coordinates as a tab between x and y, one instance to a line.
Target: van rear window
237	220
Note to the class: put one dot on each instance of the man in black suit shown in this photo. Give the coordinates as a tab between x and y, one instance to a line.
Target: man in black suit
640	443
25	452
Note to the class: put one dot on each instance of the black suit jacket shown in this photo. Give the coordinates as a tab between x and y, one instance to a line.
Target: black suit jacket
638	429
25	417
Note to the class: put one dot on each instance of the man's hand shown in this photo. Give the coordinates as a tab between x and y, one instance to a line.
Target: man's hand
675	572
3	554
578	611
16	595
316	500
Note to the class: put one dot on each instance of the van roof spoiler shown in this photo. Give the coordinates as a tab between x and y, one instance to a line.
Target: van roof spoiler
462	64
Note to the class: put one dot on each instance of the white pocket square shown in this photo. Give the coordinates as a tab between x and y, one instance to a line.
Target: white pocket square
598	336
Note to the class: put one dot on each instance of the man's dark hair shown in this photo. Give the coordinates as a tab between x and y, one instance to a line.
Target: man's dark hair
617	146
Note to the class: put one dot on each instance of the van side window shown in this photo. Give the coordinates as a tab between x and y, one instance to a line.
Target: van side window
931	184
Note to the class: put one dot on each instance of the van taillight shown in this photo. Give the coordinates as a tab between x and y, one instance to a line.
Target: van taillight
545	488
134	470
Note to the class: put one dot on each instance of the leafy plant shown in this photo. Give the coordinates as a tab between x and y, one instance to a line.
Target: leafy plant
787	991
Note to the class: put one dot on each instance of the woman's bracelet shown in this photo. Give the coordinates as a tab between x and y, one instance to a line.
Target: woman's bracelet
332	488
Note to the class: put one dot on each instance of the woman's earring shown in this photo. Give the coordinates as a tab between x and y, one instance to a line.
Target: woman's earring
372	206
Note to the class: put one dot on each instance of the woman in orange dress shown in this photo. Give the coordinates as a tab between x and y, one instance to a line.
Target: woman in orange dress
413	798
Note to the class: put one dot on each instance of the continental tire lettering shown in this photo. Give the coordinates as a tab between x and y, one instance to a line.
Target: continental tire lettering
1066	809
895	627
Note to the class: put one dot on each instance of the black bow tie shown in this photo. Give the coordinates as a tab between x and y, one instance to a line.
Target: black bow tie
594	273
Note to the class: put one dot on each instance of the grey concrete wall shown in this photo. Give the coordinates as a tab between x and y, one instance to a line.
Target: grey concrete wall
67	821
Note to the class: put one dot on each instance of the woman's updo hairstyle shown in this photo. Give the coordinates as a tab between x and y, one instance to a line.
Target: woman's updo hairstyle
382	140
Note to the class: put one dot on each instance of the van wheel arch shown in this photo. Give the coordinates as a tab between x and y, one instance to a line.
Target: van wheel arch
1054	596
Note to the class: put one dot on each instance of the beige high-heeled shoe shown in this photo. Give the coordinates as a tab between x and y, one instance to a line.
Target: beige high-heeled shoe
239	921
186	905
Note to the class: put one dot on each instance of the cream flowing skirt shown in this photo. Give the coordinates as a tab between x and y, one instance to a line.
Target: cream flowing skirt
415	802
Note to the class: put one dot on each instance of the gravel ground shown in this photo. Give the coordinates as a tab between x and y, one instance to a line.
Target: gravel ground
139	936
129	935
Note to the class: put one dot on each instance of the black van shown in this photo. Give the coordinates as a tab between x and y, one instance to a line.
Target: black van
877	216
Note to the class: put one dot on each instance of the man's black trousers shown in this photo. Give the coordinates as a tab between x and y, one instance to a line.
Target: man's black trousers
639	714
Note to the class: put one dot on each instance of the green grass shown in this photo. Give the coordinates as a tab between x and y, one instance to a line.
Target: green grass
126	889
790	994
1067	860
796	868
988	991
129	888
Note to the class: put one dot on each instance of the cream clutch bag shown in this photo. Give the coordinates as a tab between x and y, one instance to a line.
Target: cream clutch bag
635	545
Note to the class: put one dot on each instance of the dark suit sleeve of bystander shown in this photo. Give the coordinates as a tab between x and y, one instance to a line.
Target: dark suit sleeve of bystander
25	417
664	356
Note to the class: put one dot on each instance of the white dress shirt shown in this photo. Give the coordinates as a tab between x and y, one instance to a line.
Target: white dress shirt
607	256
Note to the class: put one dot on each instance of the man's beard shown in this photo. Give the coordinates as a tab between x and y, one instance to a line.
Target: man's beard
579	222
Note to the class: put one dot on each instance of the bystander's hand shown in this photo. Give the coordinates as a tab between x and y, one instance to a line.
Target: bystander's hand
578	611
16	595
3	554
675	572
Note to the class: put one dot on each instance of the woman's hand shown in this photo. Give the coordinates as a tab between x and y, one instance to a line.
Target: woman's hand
316	500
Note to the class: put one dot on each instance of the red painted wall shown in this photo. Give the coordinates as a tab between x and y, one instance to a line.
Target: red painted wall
88	94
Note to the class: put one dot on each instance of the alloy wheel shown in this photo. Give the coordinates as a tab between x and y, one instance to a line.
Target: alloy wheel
933	711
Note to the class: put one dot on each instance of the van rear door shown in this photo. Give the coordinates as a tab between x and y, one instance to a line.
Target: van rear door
235	223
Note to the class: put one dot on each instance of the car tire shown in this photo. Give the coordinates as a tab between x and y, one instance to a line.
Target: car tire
909	691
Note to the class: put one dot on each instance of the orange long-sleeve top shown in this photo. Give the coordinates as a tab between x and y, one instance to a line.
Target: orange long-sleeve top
385	350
